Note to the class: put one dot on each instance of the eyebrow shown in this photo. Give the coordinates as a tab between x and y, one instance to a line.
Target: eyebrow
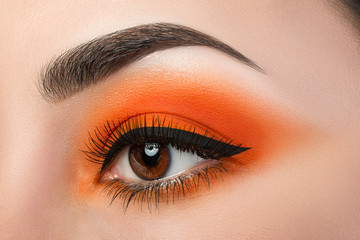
94	61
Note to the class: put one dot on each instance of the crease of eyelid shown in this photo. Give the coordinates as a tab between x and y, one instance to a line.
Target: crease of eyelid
92	62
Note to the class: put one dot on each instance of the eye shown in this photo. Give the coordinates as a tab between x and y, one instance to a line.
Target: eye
153	161
153	158
149	161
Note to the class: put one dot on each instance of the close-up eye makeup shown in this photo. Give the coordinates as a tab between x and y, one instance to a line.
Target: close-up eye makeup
149	145
163	131
183	119
154	158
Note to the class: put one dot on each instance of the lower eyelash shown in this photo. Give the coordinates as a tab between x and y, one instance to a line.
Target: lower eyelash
154	192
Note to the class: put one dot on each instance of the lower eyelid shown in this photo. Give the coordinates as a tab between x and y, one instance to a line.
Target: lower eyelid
153	193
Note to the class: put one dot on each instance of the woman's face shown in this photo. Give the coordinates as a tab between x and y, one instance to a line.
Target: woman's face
299	116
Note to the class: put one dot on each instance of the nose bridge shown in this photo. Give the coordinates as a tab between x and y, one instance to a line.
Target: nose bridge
30	174
32	167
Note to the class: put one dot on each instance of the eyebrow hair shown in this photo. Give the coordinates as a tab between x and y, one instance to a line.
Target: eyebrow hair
91	62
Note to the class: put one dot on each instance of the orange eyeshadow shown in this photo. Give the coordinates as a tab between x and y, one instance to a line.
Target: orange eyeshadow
199	99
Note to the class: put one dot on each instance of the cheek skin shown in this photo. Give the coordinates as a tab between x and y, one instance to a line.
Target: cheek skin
229	111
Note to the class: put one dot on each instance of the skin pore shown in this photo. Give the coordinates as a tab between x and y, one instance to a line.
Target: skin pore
299	116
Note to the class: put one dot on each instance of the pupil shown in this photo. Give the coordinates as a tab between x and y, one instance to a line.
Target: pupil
151	154
149	161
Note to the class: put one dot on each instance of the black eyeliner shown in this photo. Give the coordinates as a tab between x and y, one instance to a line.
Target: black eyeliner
205	147
107	143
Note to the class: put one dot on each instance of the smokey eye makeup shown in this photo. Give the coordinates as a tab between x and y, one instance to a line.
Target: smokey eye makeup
153	158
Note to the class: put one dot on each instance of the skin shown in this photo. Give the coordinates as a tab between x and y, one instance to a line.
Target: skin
301	181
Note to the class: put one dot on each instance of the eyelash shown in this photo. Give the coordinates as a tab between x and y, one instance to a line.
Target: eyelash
155	192
108	142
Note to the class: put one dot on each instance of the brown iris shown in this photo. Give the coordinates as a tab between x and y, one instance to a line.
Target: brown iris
149	161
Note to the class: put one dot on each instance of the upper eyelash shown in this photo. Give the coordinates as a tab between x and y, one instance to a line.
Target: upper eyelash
106	144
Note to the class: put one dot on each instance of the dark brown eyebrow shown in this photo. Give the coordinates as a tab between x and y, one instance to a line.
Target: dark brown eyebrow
91	62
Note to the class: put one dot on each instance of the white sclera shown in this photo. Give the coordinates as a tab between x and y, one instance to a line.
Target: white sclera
179	162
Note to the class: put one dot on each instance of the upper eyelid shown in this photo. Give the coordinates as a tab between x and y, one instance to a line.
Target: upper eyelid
91	62
101	143
217	146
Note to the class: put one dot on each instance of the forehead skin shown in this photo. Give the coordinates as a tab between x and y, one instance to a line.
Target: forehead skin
310	54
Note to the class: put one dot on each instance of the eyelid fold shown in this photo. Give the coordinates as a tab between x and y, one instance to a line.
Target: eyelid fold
235	112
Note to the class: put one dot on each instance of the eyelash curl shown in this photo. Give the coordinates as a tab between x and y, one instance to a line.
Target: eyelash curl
107	143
